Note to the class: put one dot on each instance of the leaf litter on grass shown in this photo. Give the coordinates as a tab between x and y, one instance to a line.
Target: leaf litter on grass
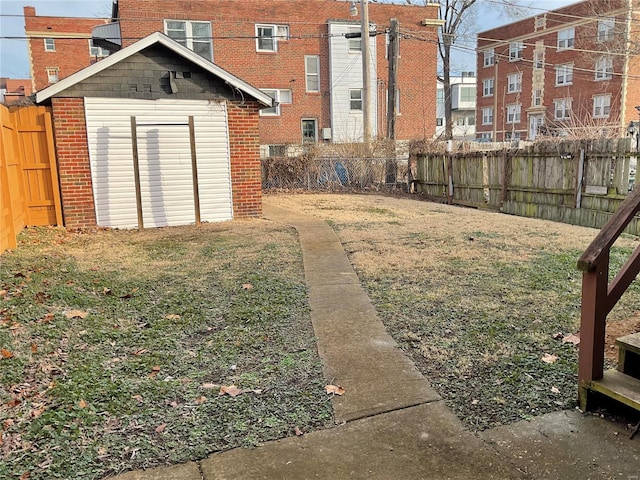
473	297
131	328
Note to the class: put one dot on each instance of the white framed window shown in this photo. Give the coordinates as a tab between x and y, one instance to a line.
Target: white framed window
53	74
486	136
562	108
566	38
309	130
538	59
536	99
471	121
195	36
604	68
97	51
489	57
606	29
487	115
460	121
281	96
601	106
467	94
514	113
487	87
268	36
439	122
516	50
440	96
564	74
312	73
355	44
540	22
512	136
355	99
49	45
514	82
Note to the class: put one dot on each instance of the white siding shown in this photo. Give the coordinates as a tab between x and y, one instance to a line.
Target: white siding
345	73
164	159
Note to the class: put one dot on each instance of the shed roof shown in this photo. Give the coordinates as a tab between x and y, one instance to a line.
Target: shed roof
155	38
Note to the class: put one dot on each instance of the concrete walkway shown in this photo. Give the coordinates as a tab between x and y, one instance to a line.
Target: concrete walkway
393	425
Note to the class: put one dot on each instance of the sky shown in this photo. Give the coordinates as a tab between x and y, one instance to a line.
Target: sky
14	62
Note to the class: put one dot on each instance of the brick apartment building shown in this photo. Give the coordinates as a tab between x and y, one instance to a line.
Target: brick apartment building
14	90
59	46
574	72
296	51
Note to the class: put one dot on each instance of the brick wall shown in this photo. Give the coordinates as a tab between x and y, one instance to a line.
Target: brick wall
244	143
71	39
583	56
233	29
74	172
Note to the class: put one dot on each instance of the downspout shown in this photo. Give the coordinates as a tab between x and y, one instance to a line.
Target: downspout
625	69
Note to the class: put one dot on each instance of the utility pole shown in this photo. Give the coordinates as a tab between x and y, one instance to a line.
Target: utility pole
366	68
392	97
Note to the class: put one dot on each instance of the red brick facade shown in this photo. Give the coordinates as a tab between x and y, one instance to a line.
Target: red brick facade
67	48
74	170
557	43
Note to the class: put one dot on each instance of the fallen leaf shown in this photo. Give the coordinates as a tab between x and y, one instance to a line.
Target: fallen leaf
137	397
41	297
172	316
475	401
555	390
25	476
334	389
47	317
230	390
173	404
558	335
34	348
6	353
160	428
209	385
140	351
575	339
102	451
298	432
546	358
14	402
76	314
247	286
130	294
3	293
82	404
106	291
200	400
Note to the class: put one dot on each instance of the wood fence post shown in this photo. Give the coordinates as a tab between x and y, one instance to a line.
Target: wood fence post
506	175
450	178
194	169
579	179
136	171
53	165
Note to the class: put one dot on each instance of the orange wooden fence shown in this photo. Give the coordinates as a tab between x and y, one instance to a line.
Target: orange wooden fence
29	192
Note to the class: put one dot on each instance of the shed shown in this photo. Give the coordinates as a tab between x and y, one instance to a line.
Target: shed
155	135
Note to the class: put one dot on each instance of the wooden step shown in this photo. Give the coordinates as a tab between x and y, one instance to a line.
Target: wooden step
620	387
629	355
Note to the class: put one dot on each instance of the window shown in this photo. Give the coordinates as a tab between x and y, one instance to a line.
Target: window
460	121
486	136
512	136
515	51
440	95
195	36
562	108
471	121
540	22
280	97
606	29
513	113
268	36
97	51
604	68
487	87
312	72
489	57
601	106
566	38
487	116
439	122
355	44
538	59
564	74
536	100
355	100
52	74
514	82
467	94
49	45
309	130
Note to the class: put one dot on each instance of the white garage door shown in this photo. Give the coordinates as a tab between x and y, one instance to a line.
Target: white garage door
165	164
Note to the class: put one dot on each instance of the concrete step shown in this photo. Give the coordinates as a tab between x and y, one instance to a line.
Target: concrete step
620	387
629	355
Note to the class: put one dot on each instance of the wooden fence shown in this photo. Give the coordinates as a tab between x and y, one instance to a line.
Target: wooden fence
581	183
29	192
